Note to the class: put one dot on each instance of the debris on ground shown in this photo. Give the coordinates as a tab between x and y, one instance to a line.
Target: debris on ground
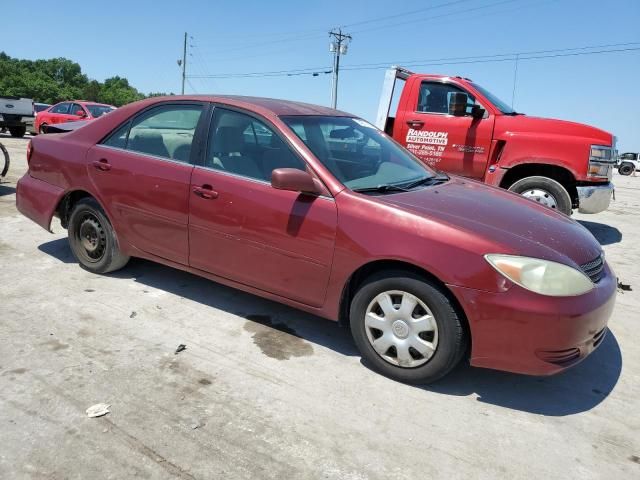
625	287
197	425
98	410
180	348
133	314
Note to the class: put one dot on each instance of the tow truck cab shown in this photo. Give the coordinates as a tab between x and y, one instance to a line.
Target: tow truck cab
455	125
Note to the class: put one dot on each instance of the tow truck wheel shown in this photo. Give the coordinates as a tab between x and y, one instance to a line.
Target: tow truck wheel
626	169
545	191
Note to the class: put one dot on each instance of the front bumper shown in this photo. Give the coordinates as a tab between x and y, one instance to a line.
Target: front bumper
594	198
523	332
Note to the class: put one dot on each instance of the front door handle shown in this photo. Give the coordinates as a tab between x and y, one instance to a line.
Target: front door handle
205	191
415	123
102	164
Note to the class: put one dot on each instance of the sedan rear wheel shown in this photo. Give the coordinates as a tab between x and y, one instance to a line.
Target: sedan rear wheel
92	238
406	328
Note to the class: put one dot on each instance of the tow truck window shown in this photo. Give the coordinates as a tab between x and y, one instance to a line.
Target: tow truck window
435	97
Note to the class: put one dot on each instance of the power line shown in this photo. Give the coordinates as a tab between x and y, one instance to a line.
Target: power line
500	57
419	10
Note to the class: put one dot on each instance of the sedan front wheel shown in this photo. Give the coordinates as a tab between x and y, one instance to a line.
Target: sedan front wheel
406	328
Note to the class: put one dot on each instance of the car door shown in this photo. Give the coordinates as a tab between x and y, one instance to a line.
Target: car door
243	229
76	112
455	144
142	173
58	113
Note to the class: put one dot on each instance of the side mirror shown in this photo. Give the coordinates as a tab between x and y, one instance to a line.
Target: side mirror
80	113
477	112
458	104
294	180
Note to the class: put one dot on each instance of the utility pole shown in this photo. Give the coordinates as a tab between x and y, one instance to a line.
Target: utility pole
183	62
339	47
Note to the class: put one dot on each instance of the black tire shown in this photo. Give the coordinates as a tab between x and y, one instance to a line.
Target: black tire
43	128
550	187
17	132
452	338
626	168
92	238
4	166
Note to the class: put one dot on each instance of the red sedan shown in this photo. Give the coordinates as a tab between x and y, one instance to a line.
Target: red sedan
71	111
319	210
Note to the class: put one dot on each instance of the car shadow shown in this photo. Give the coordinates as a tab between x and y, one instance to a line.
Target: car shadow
605	234
6	190
579	389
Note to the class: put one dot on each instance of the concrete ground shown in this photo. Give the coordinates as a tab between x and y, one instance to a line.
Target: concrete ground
265	391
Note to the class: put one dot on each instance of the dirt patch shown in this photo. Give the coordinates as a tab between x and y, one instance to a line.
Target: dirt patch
276	340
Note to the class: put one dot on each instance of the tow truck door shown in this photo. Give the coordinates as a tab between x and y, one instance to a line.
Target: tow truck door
458	145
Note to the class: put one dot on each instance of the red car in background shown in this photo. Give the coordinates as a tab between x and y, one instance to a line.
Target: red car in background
318	209
71	111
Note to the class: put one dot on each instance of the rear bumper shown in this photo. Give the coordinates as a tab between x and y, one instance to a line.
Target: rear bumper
594	198
37	200
523	332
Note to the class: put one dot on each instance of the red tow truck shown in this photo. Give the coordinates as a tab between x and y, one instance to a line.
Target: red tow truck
457	126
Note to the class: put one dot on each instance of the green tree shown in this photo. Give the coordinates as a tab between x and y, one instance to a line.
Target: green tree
58	79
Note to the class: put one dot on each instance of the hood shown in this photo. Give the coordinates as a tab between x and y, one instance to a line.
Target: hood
526	124
514	224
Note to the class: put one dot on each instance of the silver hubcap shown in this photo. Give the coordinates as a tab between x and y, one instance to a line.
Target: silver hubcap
401	329
541	196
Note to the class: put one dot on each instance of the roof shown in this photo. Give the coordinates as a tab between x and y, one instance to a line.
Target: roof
263	105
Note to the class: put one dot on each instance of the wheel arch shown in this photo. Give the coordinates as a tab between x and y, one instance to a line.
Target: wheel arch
562	175
386	265
69	199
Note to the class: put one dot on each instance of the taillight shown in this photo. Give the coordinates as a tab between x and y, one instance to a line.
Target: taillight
29	151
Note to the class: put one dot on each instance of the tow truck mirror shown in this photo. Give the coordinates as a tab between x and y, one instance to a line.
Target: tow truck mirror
458	104
477	112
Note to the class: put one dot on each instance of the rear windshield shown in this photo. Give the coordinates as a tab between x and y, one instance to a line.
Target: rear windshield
99	110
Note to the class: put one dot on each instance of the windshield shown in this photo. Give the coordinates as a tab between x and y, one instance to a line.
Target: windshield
357	153
99	110
499	104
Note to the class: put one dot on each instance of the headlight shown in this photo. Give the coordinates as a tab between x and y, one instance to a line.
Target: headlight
541	276
599	153
600	161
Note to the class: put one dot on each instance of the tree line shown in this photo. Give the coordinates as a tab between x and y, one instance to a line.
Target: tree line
58	79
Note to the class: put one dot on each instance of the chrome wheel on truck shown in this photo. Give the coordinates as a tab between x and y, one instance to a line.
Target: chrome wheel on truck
541	196
407	327
545	191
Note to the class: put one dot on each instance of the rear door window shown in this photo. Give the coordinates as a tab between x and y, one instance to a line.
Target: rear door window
166	132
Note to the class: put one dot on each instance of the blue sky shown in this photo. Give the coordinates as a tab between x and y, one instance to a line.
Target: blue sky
141	40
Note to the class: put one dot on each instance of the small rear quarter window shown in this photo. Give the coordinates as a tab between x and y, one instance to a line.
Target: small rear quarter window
118	139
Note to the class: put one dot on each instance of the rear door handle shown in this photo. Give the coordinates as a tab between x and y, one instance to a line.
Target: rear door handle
102	164
415	123
205	191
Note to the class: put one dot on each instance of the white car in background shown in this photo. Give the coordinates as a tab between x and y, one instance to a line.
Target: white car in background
628	163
